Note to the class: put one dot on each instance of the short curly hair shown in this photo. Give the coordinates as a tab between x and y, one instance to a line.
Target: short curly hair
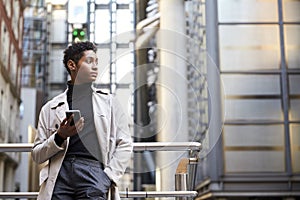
75	52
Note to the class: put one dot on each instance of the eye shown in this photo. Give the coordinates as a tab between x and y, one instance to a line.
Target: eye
91	60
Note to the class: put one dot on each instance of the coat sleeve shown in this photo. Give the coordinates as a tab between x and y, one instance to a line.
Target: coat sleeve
44	145
120	142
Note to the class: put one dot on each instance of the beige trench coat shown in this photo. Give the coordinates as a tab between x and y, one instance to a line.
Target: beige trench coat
113	135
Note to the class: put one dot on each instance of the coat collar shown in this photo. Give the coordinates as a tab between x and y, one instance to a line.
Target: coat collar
61	99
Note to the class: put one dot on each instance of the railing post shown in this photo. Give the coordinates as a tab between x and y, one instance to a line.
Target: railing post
185	175
181	177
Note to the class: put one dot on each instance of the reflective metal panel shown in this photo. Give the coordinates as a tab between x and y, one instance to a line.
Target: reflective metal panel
255	161
294	81
254	135
291	10
249	47
292	45
295	110
237	84
253	109
295	147
247	11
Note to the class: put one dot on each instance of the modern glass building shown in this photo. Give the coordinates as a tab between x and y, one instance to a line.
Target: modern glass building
243	99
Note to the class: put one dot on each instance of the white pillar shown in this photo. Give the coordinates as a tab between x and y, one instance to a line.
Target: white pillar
171	89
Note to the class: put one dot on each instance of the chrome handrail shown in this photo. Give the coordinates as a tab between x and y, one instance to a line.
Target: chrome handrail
137	146
142	146
123	194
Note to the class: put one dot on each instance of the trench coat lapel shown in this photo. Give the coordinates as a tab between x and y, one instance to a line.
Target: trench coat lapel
102	119
60	105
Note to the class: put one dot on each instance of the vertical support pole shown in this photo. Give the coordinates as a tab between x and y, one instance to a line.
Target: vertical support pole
215	160
285	90
171	88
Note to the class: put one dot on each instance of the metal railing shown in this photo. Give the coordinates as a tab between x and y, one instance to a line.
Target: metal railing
137	147
123	194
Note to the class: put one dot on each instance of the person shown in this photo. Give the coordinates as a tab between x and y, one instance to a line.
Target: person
85	160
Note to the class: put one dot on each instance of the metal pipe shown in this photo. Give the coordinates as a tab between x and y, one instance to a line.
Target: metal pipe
166	146
123	194
127	194
16	147
146	22
137	146
193	164
143	39
181	182
182	177
150	194
18	195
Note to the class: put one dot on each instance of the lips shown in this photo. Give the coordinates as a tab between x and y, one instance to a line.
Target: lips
94	74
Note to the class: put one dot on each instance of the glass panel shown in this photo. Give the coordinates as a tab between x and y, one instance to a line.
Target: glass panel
124	64
56	74
254	161
123	1
251	84
253	109
21	21
124	21
291	10
292	44
58	23
249	47
295	145
247	11
254	135
102	27
4	44
15	18
102	1
125	99
295	108
294	81
13	64
103	65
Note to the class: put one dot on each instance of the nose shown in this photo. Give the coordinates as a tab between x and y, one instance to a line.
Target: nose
95	66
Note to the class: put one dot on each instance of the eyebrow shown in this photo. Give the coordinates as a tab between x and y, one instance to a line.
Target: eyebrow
91	56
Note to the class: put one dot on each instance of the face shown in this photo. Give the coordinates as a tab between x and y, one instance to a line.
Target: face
86	70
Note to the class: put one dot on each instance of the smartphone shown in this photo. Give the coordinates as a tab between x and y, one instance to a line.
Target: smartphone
76	116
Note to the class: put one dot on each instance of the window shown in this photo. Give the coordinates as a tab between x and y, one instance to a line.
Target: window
4	45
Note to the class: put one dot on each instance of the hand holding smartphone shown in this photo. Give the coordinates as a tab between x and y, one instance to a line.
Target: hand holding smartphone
76	116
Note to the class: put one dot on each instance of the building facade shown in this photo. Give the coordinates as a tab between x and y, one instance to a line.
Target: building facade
11	32
242	72
256	151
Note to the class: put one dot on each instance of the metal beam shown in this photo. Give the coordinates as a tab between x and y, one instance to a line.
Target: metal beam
210	195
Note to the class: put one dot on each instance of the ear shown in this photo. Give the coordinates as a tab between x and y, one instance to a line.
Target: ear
71	65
